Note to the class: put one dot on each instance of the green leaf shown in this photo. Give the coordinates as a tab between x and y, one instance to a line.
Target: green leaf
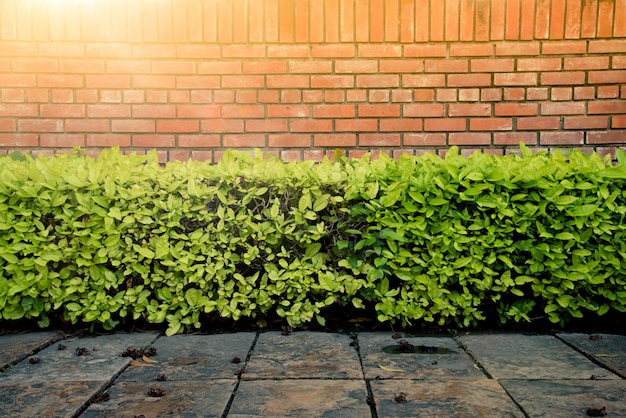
564	300
304	203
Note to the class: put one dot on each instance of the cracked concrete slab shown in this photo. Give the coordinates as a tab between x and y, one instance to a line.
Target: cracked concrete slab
103	362
300	398
443	398
303	354
190	398
195	357
433	357
16	347
610	350
568	398
517	356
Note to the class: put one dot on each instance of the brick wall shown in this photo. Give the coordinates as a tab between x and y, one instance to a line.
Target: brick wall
300	78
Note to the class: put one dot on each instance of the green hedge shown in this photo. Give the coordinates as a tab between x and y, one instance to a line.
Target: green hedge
455	240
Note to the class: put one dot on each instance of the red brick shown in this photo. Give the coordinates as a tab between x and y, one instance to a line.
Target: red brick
221	126
244	141
198	111
154	111
497	19
425	51
246	96
469	95
424	95
379	51
608	92
586	122
36	95
446	95
243	81
539	64
219	67
310	67
563	78
515	79
491	95
62	140
198	141
600	47
562	108
424	139
514	93
86	125
132	125
378	96
107	50
619	62
20	110
332	81
586	63
379	110
156	96
290	96
620	19
40	125
584	93
56	80
379	140
561	93
515	109
152	141
115	96
266	125
471	50
605	19
491	124
424	110
313	154
197	51
243	51
62	111
401	95
423	80
312	96
469	109
334	96
469	80
561	138
445	124
7	125
153	81
512	19
446	66
289	141
369	81
178	96
605	77
200	96
356	125
86	96
564	47
436	20
527	12
492	65
332	51
288	51
173	67
606	107
538	123
400	124
618	122
154	51
17	80
514	138
128	67
333	111
466	138
401	66
334	140
198	81
356	66
264	67
572	19
311	125
19	140
34	65
243	111
517	48
177	126
269	96
288	111
537	93
607	137
107	140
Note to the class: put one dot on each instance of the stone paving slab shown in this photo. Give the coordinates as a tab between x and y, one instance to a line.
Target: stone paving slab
439	398
16	347
195	357
434	357
517	356
191	398
103	362
46	399
568	398
303	354
610	350
300	398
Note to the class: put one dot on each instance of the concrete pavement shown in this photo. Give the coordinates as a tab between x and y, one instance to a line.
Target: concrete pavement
313	374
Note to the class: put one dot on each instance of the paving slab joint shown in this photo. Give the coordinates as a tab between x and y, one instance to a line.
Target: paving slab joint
354	336
59	337
242	371
477	364
590	357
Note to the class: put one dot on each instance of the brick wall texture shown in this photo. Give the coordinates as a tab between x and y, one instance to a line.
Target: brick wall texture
300	78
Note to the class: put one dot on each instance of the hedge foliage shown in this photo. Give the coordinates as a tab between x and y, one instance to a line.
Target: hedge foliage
455	240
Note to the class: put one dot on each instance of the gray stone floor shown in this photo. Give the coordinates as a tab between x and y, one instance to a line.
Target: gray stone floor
313	374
